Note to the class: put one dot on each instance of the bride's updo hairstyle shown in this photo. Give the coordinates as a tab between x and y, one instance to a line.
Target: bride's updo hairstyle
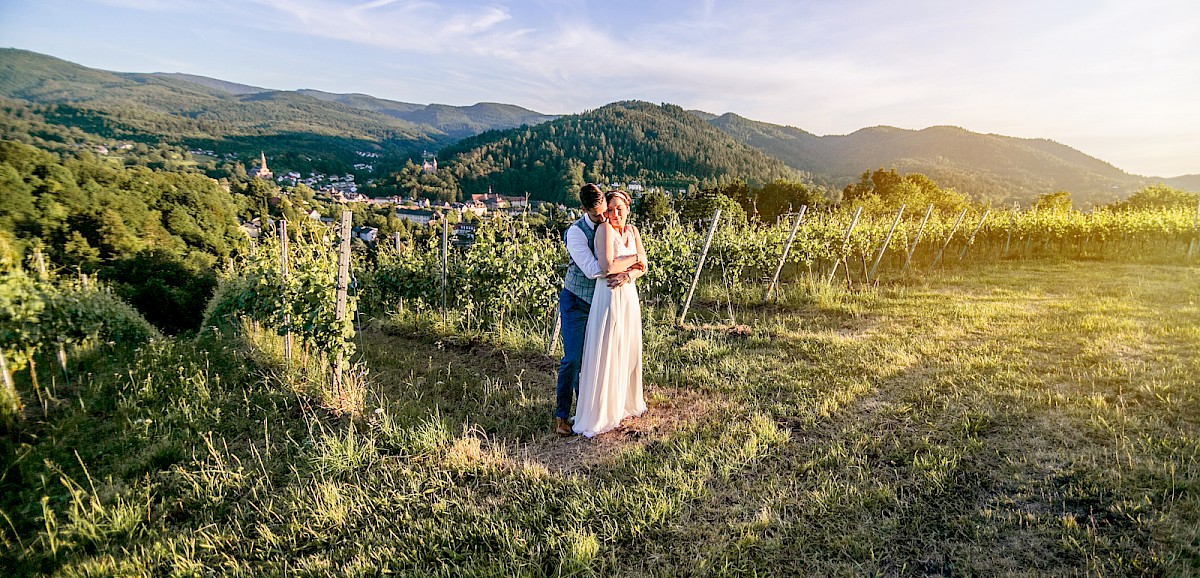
619	194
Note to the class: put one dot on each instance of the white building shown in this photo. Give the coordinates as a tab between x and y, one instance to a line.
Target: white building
418	216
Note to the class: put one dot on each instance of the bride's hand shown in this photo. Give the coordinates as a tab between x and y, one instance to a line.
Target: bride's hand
617	279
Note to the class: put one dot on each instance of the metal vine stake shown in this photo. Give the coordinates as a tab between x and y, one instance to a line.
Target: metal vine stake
700	264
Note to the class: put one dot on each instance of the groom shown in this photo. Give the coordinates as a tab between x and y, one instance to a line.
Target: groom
575	300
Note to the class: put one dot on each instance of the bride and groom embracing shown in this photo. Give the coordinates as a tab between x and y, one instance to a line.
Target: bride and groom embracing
601	317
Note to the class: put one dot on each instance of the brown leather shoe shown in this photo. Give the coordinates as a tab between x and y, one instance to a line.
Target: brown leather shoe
562	428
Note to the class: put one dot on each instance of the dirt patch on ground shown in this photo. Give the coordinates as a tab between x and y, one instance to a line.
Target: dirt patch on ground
669	409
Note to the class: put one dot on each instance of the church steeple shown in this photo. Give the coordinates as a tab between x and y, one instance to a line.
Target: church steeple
262	172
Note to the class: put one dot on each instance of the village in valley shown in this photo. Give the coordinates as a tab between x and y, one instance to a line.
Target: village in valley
463	216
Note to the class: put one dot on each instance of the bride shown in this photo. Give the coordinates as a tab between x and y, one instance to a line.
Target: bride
610	384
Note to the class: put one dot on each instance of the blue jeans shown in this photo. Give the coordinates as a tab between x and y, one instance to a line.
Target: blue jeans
573	313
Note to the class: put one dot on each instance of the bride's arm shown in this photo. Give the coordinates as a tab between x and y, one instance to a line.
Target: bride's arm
639	268
606	251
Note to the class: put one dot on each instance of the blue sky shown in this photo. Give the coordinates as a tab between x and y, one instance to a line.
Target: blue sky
1119	80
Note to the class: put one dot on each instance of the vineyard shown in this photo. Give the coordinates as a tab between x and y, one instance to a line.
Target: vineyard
512	274
50	315
507	280
986	391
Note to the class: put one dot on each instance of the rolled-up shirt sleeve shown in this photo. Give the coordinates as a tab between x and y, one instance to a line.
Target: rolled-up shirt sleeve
577	247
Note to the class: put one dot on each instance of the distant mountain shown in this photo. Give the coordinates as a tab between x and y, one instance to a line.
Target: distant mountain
365	102
985	166
212	113
456	121
664	145
797	148
1184	182
221	85
623	141
157	107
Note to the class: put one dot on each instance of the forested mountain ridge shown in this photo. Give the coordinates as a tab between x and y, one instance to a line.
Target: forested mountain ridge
985	166
214	83
228	117
313	130
455	121
622	141
151	108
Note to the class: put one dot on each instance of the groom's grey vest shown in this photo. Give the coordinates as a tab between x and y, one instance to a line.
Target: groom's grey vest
576	281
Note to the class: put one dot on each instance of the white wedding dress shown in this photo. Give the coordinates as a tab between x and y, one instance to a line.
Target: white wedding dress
610	383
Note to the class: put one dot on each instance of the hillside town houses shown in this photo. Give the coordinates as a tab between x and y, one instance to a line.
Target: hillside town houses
418	211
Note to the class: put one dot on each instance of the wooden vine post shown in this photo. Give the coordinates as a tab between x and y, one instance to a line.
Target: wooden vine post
886	241
283	275
783	257
445	261
9	388
1029	235
398	245
41	262
555	328
343	284
845	244
1195	244
1012	218
712	229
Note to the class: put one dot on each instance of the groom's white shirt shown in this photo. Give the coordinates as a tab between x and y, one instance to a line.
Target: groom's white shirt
577	247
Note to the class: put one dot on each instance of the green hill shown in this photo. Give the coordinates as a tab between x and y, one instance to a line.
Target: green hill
153	107
664	145
985	166
215	83
455	121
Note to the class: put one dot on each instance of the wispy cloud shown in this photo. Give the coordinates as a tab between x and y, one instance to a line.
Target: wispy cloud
153	5
399	25
1073	70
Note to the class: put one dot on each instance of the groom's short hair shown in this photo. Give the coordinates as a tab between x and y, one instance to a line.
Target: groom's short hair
590	195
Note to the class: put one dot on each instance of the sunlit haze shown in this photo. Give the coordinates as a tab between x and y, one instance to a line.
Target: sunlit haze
1117	80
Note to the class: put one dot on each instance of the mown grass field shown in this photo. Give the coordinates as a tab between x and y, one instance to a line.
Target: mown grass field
1015	419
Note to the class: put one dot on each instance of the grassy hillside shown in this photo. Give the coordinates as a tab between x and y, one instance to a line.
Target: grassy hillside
1025	418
